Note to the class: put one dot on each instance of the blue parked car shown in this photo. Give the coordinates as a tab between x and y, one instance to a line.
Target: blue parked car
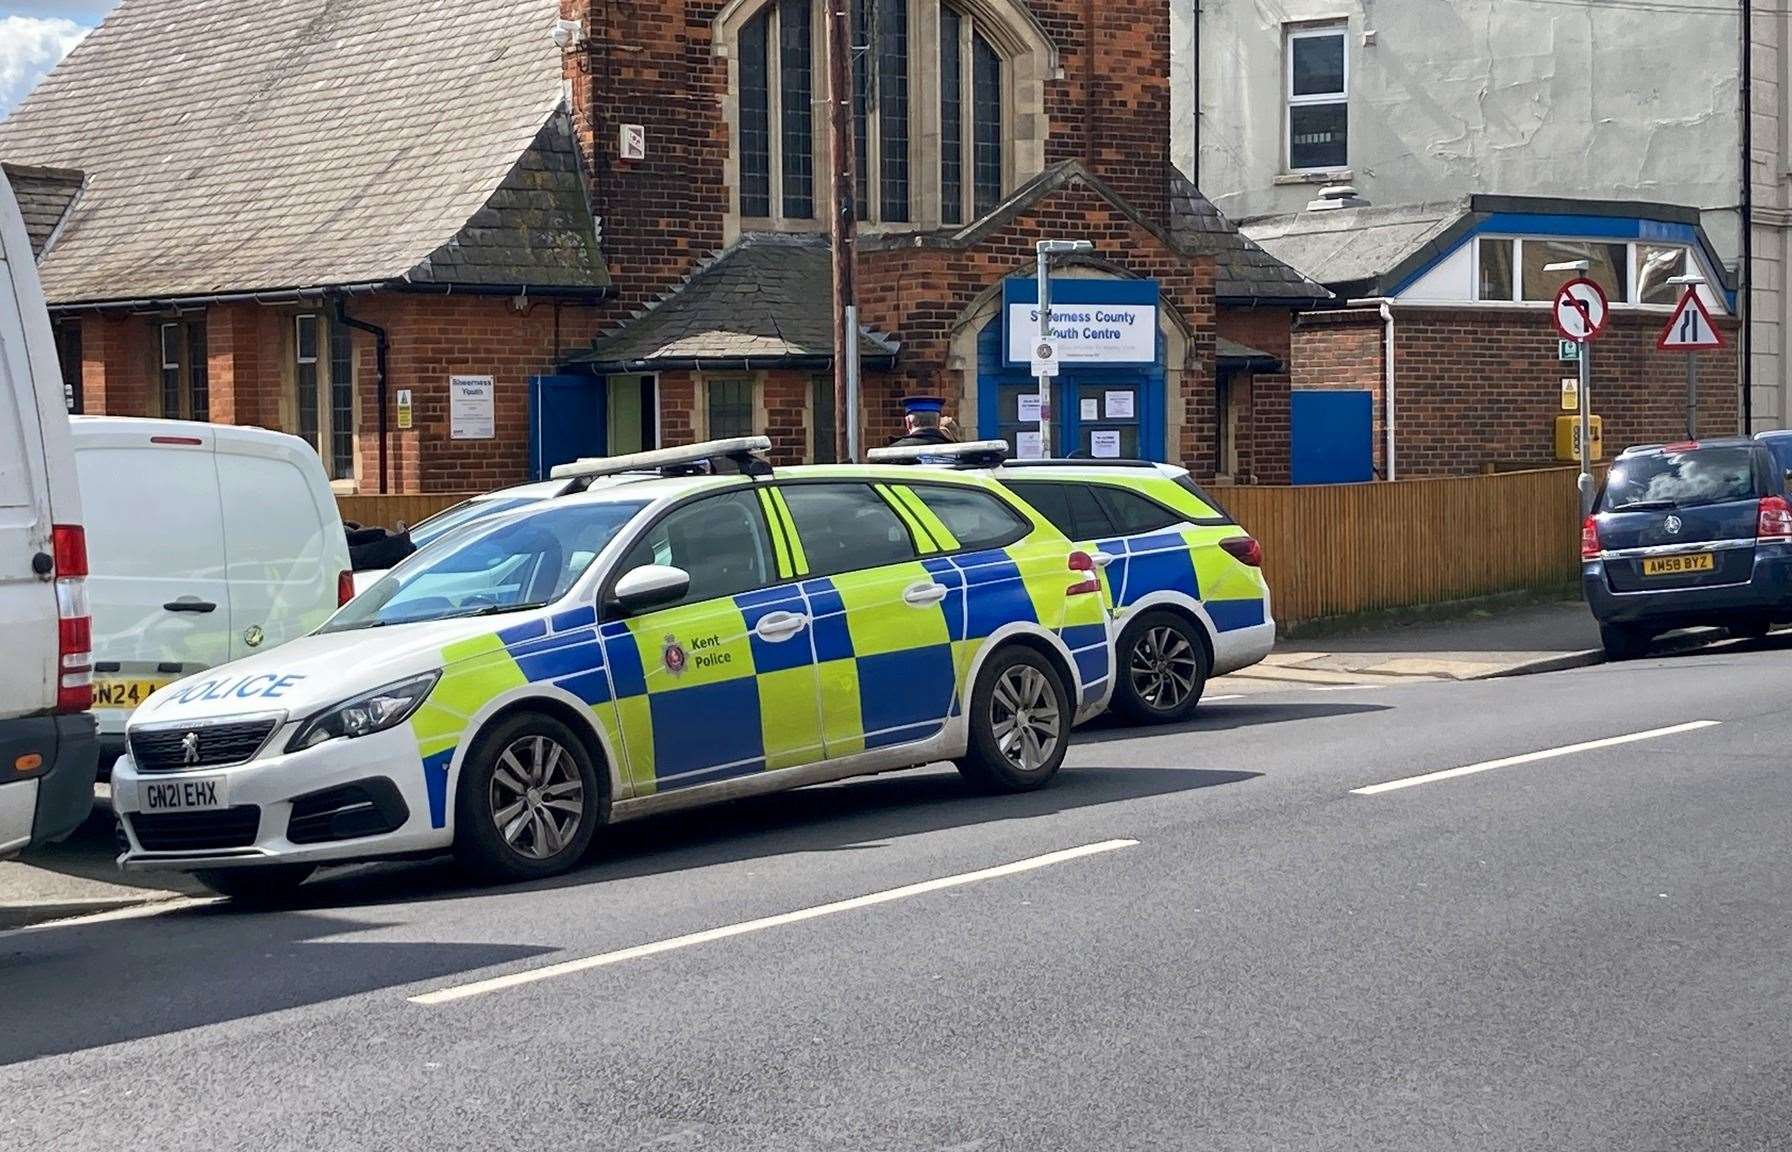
1690	534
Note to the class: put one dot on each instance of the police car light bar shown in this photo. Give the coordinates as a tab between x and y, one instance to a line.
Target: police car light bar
976	454
741	451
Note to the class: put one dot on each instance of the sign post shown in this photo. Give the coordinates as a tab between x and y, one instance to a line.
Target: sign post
1690	329
1581	311
1045	350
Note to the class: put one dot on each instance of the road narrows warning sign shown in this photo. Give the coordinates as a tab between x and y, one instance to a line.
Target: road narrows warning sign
1690	328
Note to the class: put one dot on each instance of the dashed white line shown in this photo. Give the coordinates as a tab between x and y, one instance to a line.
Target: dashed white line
1531	757
639	951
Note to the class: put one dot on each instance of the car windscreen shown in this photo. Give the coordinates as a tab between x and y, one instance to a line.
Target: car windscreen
511	564
466	512
1679	479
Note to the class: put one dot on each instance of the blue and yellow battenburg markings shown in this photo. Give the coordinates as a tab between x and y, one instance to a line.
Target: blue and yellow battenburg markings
1182	562
694	694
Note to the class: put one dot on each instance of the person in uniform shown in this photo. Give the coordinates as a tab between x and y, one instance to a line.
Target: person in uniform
926	423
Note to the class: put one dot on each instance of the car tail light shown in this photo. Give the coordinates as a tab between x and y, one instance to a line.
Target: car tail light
345	587
1245	550
1083	565
74	620
1775	519
1590	548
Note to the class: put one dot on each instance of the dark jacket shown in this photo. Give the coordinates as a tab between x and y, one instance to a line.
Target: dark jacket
923	438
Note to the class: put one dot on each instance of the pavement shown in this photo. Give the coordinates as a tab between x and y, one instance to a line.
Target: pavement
1534	912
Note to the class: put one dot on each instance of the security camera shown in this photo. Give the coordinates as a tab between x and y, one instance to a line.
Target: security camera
567	34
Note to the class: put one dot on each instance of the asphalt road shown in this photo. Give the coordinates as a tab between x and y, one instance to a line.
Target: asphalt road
1582	951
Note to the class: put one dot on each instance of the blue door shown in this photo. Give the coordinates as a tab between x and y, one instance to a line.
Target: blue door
1332	437
567	417
1097	411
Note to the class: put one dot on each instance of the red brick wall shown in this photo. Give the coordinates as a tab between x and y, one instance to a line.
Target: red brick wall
1479	389
1262	426
115	365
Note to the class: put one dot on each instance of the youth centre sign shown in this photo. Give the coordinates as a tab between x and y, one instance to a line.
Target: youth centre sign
1107	322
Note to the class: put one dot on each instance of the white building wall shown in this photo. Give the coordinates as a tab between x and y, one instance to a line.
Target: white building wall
1448	97
1771	160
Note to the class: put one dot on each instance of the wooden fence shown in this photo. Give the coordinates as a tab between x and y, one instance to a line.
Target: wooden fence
1331	550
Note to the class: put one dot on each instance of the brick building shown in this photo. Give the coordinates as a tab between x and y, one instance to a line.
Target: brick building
1477	362
449	248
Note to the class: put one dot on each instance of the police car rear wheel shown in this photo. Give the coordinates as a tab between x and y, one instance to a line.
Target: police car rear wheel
1164	669
1020	724
528	801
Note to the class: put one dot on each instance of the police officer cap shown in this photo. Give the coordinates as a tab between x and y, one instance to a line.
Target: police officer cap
919	404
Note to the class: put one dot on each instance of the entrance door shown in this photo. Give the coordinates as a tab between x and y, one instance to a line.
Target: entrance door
632	414
1097	412
566	422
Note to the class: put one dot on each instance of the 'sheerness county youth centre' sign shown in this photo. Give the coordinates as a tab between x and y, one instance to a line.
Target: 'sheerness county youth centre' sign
1111	322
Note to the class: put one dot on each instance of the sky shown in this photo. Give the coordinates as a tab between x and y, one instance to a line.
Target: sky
34	35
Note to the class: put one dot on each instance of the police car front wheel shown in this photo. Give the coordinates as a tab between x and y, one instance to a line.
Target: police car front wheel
1020	719
528	800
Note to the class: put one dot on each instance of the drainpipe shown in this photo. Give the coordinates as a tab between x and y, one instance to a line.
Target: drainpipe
1387	379
381	347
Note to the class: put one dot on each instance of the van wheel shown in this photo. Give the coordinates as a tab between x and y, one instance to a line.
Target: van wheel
1020	719
528	802
1162	669
264	886
1623	643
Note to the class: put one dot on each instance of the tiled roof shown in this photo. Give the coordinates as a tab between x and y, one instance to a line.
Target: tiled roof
300	144
764	300
1243	353
1353	245
44	196
1246	271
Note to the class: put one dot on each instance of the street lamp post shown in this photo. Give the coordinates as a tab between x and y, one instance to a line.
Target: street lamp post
1046	250
1691	280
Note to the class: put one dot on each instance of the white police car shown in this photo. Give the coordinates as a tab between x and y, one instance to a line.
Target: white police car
716	631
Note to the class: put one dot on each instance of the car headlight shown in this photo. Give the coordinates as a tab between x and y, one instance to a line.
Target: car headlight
365	714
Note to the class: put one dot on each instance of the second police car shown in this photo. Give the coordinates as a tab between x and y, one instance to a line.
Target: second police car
708	631
1182	581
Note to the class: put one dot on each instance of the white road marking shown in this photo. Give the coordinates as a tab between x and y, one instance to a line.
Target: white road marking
135	912
1531	757
1347	687
569	967
1217	699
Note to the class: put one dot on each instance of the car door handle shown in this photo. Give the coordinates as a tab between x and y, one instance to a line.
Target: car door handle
201	606
780	626
922	595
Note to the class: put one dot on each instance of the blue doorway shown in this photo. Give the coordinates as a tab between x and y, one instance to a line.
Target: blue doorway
1097	410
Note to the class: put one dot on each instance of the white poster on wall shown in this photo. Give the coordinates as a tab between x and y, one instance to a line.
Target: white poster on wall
1029	408
472	408
1119	405
1087	333
1027	446
1091	409
1104	445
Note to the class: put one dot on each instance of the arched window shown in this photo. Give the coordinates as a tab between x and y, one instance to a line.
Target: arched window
938	89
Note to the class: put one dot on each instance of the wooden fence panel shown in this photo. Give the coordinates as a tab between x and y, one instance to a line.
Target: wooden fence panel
388	511
1331	550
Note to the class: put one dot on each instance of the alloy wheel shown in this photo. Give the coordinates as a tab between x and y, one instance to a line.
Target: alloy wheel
1163	668
537	797
1025	719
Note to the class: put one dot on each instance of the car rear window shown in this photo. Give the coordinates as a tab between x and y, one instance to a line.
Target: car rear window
1678	479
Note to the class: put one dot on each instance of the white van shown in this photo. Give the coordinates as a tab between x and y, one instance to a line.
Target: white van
47	746
207	543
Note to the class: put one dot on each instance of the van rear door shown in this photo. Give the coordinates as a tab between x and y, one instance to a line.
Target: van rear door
27	597
283	536
155	544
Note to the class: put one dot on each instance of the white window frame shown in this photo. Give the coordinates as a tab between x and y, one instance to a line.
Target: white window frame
1291	34
1634	287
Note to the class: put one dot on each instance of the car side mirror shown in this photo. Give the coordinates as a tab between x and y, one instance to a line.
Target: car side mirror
650	586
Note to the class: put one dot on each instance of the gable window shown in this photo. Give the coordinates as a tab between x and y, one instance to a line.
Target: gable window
926	74
1511	269
1318	98
185	391
323	378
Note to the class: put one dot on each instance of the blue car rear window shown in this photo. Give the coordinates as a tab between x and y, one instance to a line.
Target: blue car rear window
1678	479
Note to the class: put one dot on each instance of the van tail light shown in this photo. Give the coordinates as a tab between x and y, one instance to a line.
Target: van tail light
1590	548
74	620
345	587
1245	550
1776	518
1083	565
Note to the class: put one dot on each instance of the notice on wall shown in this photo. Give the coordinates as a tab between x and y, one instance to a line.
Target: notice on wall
1028	446
1570	394
1087	333
472	408
405	417
1091	409
1105	445
1030	408
1119	405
